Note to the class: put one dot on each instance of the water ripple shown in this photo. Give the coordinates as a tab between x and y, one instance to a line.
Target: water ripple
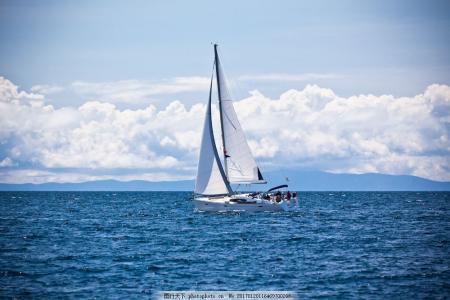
121	245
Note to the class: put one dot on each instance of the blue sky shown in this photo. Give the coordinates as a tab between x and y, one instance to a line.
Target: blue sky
141	54
378	47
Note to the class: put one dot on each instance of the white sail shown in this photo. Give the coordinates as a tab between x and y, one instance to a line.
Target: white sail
210	175
212	186
238	159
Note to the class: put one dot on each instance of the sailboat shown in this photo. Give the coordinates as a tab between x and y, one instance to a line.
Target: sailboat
215	174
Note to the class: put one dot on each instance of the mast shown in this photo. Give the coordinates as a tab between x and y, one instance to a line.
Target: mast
216	61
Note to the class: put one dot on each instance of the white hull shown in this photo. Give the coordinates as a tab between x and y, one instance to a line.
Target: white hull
226	203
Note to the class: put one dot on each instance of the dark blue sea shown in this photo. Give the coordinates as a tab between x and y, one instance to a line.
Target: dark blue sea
371	245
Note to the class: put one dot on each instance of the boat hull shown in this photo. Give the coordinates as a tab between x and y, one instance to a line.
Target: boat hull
225	204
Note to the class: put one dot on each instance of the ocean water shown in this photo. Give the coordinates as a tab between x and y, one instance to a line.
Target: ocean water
393	245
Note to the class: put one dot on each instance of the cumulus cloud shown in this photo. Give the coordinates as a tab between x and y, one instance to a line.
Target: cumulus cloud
10	93
313	128
7	162
287	77
365	133
46	89
138	91
94	136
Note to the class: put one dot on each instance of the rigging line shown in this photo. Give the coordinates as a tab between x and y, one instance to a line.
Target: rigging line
224	79
237	85
212	78
229	120
234	83
216	155
213	68
217	62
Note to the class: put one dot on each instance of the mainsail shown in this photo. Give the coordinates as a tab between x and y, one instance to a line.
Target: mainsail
211	178
240	166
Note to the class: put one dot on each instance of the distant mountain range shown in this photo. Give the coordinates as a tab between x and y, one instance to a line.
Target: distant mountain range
297	180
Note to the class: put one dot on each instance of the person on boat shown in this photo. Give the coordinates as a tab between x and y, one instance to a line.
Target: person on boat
278	196
288	195
294	195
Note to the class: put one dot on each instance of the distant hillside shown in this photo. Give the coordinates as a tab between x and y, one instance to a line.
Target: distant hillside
322	181
103	185
300	181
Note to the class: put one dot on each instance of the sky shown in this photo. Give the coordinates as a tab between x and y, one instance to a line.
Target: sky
117	89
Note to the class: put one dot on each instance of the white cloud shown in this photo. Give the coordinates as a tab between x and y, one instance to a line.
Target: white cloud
362	133
7	162
97	135
46	89
311	128
10	93
287	77
138	91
